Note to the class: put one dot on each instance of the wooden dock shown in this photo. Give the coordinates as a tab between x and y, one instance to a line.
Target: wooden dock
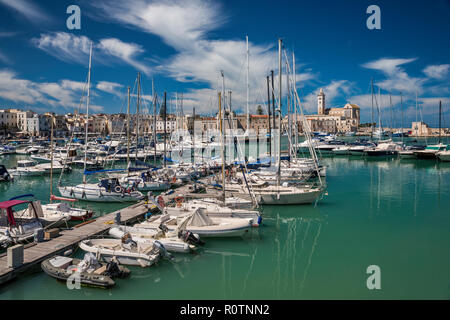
34	254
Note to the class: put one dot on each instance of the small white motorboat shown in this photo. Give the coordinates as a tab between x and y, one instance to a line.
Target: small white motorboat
126	252
26	168
75	214
201	224
55	218
213	210
16	230
57	167
170	240
357	150
342	150
143	185
108	190
28	150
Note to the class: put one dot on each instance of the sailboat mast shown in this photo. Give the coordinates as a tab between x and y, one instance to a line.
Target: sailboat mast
416	107
137	115
51	159
440	113
165	129
401	107
193	132
269	125
221	145
280	72
379	111
273	102
248	86
390	107
371	125
289	128
223	97
87	113
154	119
295	107
128	127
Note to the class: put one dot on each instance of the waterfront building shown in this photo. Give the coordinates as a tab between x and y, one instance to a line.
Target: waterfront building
334	120
259	122
420	128
32	125
8	121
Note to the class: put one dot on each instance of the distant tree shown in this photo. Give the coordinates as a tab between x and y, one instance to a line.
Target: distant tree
259	110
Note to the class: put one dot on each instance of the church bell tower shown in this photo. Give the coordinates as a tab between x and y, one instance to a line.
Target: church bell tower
321	102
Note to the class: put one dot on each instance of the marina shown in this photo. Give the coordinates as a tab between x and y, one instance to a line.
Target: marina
294	247
394	192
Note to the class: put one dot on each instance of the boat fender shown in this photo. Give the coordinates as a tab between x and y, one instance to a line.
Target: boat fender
259	220
83	195
71	192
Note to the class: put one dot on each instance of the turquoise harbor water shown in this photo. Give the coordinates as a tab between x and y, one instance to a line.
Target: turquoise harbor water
391	213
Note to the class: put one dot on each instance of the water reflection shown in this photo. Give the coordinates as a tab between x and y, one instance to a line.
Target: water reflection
296	236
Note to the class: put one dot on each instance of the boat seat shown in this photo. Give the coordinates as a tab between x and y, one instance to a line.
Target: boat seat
148	250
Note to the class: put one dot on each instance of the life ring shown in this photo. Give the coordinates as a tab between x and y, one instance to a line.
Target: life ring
179	201
118	189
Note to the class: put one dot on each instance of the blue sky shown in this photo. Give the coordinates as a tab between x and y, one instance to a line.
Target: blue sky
183	45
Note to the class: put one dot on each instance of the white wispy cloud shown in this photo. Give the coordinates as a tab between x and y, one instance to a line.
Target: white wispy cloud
440	71
28	10
179	23
396	77
64	46
64	94
73	48
124	51
109	87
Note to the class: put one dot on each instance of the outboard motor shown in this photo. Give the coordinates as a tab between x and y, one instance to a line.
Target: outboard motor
162	250
190	237
112	270
163	228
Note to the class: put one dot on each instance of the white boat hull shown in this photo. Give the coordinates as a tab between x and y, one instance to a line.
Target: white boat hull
122	256
444	156
89	192
289	198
